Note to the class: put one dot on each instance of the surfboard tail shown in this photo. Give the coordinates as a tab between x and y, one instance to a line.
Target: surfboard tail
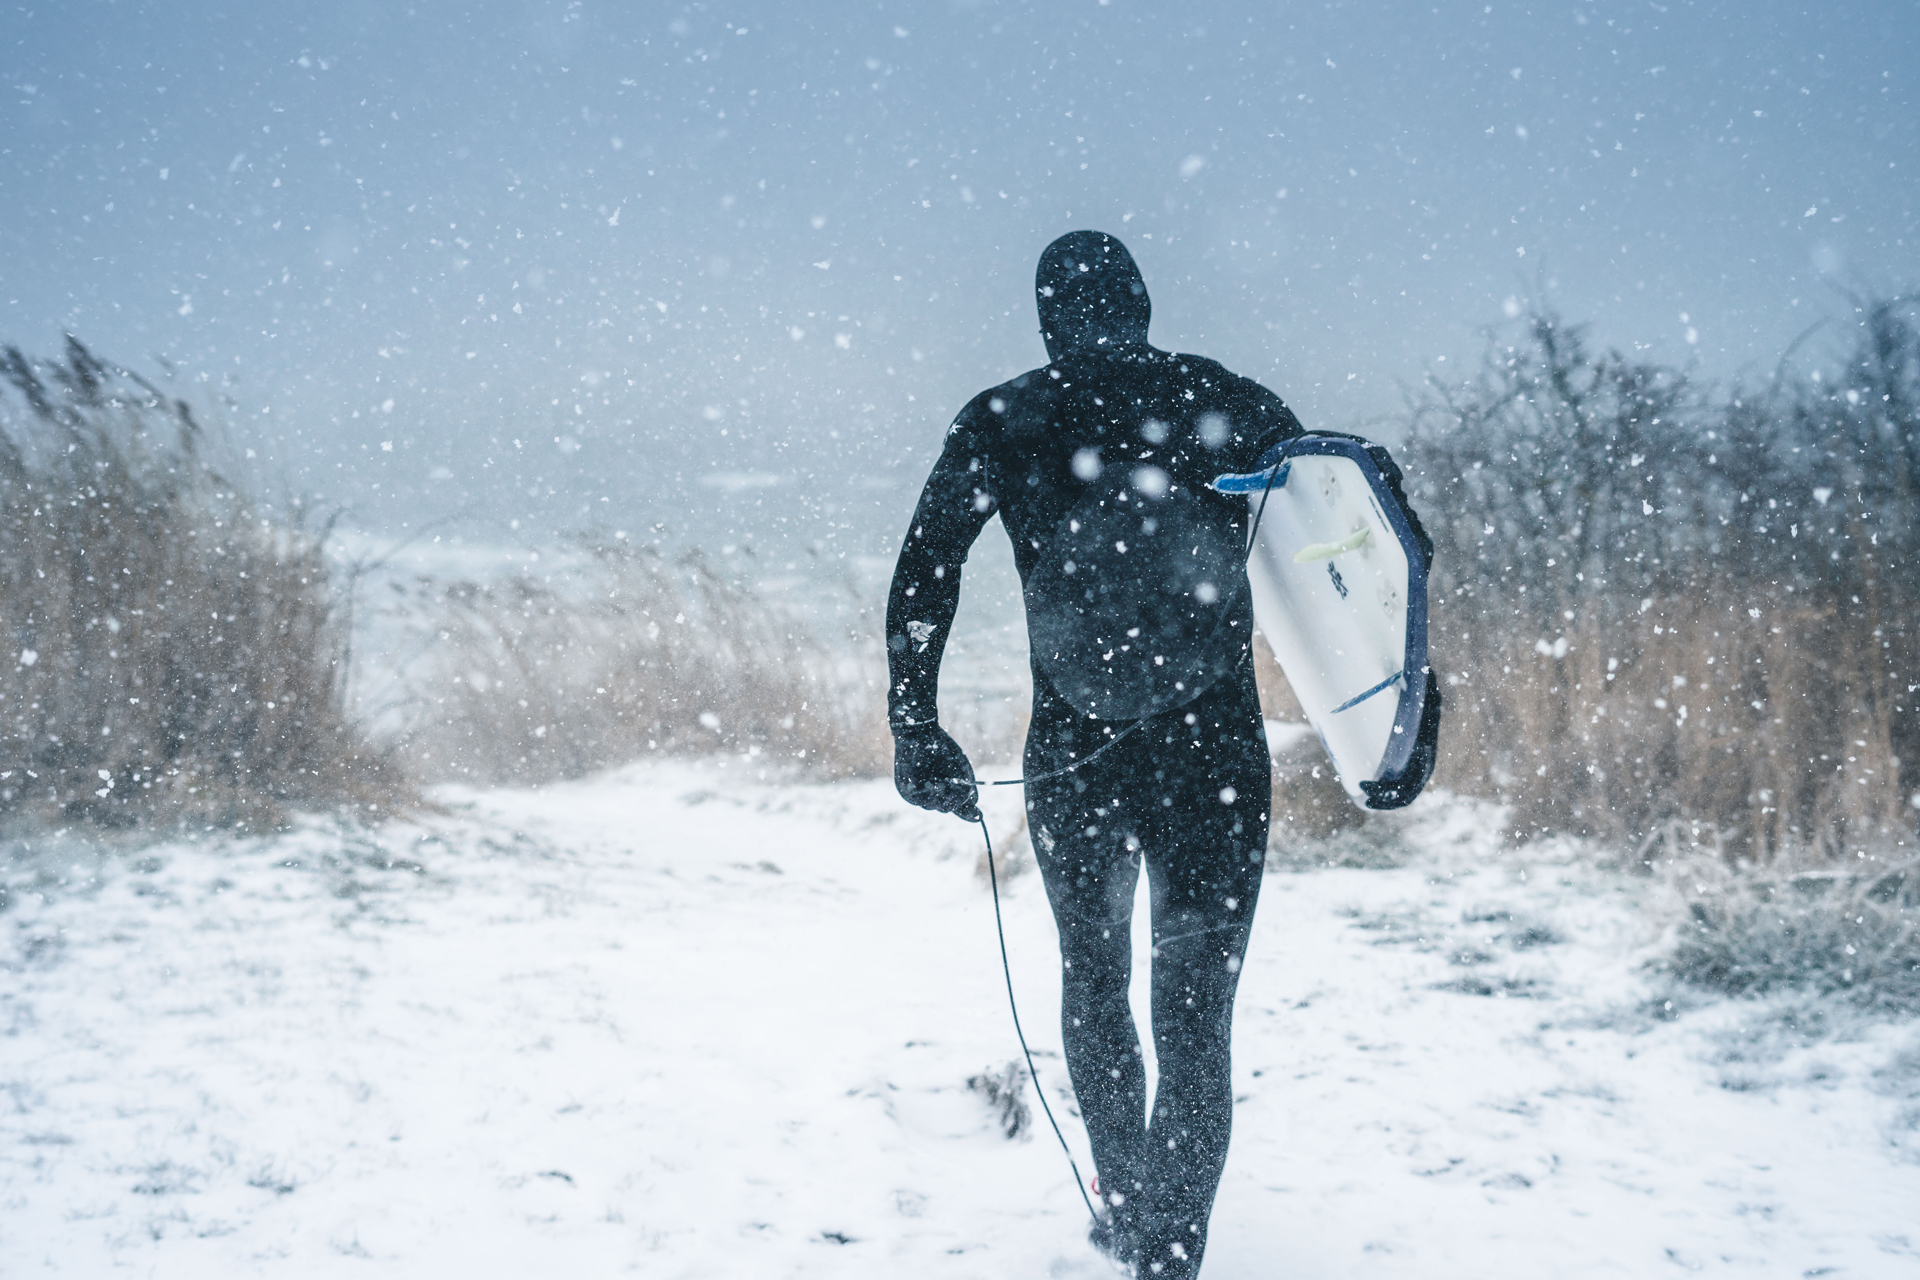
1400	789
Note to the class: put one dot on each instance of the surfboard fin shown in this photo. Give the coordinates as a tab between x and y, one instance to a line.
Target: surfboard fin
1328	550
1359	698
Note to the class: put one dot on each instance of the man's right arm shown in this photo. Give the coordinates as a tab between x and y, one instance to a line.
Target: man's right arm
955	505
930	769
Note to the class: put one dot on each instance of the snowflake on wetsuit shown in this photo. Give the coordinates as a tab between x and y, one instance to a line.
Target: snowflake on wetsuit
1137	609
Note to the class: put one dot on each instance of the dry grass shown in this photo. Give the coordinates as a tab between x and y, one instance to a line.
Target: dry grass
1751	718
173	650
640	654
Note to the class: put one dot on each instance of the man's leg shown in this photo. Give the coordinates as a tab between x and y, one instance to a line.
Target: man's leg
1205	856
1090	882
1084	839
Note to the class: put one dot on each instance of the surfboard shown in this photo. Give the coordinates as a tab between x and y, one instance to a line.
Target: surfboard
1339	583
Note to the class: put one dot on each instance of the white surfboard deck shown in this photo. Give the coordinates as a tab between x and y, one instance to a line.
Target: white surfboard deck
1340	591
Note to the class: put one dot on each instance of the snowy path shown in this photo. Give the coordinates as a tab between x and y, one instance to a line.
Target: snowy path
667	1024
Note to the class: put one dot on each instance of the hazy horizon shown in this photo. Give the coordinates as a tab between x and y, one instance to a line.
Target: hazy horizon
732	269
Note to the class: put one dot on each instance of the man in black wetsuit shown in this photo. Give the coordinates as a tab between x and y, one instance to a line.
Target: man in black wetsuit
1139	619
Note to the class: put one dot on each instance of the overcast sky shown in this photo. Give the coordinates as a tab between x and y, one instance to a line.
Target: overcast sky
733	267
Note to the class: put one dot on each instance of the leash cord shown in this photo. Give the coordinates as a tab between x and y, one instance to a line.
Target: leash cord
1093	755
1006	970
1273	475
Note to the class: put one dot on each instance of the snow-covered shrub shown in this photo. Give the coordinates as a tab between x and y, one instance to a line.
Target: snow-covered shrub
1852	929
1653	604
1004	1089
638	654
172	649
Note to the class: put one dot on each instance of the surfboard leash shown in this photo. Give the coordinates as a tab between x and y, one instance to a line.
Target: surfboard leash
1273	477
1006	971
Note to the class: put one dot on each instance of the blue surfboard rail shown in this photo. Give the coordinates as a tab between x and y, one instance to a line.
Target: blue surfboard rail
1413	691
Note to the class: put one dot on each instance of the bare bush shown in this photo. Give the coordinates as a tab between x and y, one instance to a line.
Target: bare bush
1658	608
1004	1090
173	651
639	654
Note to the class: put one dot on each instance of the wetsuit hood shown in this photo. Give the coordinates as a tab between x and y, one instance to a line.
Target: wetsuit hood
1090	294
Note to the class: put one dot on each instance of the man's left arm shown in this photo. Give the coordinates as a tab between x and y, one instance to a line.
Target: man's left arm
1260	421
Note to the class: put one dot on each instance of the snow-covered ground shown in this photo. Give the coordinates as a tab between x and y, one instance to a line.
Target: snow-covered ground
678	1023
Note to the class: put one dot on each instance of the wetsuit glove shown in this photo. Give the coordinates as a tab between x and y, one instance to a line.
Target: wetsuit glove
931	771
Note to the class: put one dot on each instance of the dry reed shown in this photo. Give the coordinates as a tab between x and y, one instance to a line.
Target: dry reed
1747	715
638	654
173	648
